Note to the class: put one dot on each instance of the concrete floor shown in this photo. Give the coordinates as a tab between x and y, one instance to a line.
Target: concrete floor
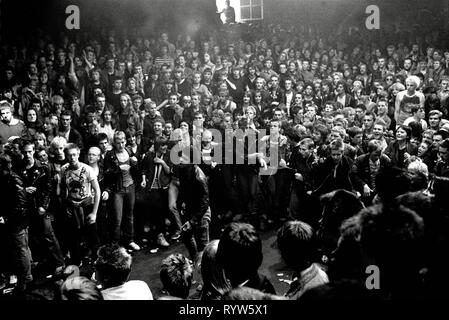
146	265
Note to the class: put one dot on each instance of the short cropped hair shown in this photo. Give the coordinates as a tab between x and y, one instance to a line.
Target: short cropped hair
113	265
239	251
295	242
176	275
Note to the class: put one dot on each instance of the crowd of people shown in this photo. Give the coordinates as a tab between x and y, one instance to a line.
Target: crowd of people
110	143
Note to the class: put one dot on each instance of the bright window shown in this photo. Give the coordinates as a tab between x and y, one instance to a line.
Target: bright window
251	10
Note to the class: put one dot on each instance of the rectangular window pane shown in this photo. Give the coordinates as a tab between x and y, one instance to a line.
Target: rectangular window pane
256	2
256	12
245	13
245	2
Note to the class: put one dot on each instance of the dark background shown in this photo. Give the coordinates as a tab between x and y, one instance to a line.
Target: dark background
24	16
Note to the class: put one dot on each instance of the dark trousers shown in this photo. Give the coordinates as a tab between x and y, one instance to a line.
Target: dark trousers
122	215
102	223
247	188
157	209
44	242
230	198
276	194
21	253
81	238
196	238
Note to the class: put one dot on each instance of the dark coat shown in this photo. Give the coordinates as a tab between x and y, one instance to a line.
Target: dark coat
361	172
112	172
331	177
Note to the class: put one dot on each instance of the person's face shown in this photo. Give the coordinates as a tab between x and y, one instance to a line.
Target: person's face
436	55
268	64
6	114
382	107
173	100
444	85
381	62
198	120
357	139
311	110
73	156
207	76
197	78
40	140
101	103
288	85
151	110
195	101
368	122
423	147
117	84
184	126
437	138
328	108
250	114
305	65
407	64
65	121
340	88
427	138
401	134
120	143
420	113
137	103
336	155
351	116
123	101
375	155
434	121
31	116
411	86
259	84
42	156
443	154
132	85
378	131
28	153
168	128
157	127
90	117
93	156
333	135
277	115
308	90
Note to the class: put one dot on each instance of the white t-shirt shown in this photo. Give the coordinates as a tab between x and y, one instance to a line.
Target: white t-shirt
78	182
131	290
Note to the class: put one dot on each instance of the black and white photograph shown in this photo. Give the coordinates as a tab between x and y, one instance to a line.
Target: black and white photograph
224	153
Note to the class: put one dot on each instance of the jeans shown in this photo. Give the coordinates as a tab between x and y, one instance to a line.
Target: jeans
22	256
157	206
247	187
276	191
173	193
82	240
44	238
122	215
230	200
196	238
102	222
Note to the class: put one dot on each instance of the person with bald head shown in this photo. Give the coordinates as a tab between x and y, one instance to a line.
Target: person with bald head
95	160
